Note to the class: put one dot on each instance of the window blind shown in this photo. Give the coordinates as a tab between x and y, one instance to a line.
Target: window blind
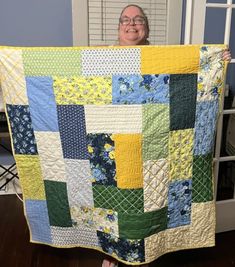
104	16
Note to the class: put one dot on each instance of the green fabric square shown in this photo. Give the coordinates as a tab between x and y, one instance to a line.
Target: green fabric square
60	62
125	201
202	178
57	204
183	92
139	226
155	131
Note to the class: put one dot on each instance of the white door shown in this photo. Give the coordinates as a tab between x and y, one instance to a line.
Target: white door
197	12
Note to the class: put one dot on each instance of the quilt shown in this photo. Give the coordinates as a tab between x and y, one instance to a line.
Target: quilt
114	145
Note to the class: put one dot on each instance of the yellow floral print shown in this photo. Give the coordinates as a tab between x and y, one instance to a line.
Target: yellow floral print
83	90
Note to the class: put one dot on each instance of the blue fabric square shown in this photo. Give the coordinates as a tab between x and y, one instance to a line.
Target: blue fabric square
22	132
205	127
42	103
137	89
179	203
72	129
37	215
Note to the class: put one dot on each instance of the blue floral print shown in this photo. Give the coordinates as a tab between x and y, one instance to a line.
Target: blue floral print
22	132
179	203
101	152
137	89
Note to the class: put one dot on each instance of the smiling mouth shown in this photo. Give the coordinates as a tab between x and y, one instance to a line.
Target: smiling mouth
131	30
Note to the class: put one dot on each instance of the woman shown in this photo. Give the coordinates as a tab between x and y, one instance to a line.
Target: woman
133	29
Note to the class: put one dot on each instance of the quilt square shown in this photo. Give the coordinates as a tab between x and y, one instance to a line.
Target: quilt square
37	215
113	119
179	203
205	127
104	220
51	156
22	130
137	89
61	62
110	61
156	182
79	182
211	73
28	167
124	201
12	76
140	226
42	103
155	123
133	252
202	178
183	93
72	236
57	204
72	130
181	154
82	90
102	159
128	158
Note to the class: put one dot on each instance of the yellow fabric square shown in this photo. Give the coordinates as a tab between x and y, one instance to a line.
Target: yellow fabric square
29	170
171	59
181	154
128	157
83	90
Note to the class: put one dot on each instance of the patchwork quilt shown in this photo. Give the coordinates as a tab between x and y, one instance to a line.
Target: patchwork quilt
114	145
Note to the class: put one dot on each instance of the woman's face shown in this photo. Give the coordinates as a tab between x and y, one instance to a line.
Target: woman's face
132	34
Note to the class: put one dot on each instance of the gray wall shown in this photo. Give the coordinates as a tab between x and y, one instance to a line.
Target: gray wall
36	22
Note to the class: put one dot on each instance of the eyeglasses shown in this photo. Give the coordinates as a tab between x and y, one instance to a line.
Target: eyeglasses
136	20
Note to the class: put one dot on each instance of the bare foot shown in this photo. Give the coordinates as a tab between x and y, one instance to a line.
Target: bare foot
109	263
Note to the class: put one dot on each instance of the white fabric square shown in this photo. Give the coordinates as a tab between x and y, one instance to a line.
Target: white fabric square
113	119
79	183
51	156
99	62
103	220
12	77
156	180
74	236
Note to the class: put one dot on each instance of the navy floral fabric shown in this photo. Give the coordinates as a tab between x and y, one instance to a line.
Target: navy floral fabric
137	89
22	132
102	158
128	250
179	203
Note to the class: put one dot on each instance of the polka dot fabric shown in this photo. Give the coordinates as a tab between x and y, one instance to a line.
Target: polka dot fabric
99	62
114	145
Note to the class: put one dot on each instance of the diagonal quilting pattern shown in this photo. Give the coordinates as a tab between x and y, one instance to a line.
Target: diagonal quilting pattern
156	180
181	154
202	178
12	77
121	200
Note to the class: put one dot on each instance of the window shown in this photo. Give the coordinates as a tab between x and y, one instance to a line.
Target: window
99	20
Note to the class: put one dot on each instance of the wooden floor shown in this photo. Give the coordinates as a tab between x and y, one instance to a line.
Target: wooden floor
16	251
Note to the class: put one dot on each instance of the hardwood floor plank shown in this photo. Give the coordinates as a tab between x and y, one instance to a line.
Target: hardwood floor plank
17	251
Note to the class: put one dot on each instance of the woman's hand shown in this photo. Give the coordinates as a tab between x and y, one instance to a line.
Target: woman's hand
227	55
